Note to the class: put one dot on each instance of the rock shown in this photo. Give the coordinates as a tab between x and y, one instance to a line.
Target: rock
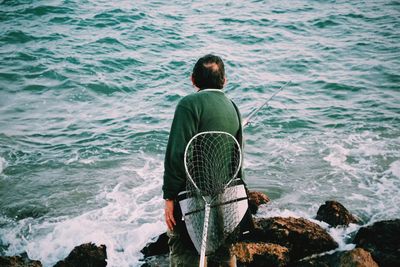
314	262
382	239
256	199
155	252
357	258
158	247
261	254
300	236
18	261
334	213
353	258
156	261
85	255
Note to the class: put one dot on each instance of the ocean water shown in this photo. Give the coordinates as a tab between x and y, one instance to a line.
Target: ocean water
88	90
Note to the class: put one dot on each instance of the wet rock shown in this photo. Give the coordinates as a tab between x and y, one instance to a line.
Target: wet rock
382	240
353	258
357	258
18	261
158	246
334	213
85	255
314	262
156	261
256	199
261	254
300	236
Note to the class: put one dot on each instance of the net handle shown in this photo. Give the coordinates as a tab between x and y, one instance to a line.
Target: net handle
211	132
204	237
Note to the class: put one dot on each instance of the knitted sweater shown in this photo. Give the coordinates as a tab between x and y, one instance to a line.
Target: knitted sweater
206	110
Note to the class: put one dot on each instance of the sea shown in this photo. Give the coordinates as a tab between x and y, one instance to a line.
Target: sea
88	91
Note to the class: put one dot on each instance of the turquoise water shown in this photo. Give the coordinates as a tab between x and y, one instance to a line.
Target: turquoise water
88	90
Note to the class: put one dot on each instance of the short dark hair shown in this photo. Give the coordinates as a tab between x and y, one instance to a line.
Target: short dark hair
209	72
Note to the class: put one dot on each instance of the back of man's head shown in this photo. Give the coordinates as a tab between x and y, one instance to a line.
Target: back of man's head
209	72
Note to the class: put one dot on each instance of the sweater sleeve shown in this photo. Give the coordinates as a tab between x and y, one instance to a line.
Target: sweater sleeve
240	139
184	126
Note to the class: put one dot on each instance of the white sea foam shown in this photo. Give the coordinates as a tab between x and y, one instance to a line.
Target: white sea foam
370	147
338	156
3	164
76	158
342	235
355	196
395	168
362	174
119	150
273	210
87	161
279	147
130	219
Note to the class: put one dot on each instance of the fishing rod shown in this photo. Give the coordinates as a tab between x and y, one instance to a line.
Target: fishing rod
256	110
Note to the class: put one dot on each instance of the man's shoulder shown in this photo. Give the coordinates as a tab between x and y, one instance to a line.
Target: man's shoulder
189	100
198	99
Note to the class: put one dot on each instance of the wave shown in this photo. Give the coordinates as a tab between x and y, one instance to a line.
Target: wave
45	10
323	23
341	87
17	37
22	37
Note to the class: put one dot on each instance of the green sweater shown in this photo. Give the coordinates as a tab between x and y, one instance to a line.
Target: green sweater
206	110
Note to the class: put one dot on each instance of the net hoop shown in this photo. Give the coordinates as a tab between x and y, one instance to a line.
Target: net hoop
211	132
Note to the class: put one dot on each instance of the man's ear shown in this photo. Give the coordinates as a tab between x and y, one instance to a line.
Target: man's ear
225	81
194	85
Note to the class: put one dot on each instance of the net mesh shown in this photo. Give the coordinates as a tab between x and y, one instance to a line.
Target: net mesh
212	161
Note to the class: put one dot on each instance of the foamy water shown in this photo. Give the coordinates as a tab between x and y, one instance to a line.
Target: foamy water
395	168
3	164
131	217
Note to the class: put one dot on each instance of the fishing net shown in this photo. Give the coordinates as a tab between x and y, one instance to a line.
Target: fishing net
215	201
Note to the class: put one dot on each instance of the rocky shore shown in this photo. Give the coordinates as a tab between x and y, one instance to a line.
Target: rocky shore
85	255
298	242
275	241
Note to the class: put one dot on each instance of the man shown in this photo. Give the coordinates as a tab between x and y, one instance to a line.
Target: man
206	110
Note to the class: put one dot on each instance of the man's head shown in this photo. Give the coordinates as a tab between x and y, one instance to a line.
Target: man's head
209	72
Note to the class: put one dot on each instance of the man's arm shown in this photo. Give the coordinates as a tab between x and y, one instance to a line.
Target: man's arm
182	130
